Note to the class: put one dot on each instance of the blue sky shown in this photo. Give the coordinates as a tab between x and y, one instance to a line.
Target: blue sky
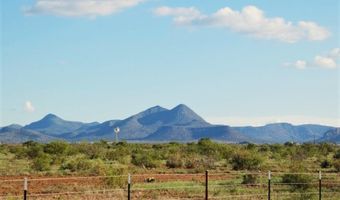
233	62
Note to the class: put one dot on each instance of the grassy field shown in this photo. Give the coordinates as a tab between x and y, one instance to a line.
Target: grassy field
60	170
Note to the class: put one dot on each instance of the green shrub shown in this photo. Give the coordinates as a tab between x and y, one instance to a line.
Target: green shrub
249	179
326	148
337	154
208	147
325	164
336	165
77	164
34	151
250	146
200	164
175	161
56	148
42	162
264	148
85	166
123	143
119	153
92	151
289	144
18	151
310	149
297	181
246	161
98	168
144	160
30	143
115	179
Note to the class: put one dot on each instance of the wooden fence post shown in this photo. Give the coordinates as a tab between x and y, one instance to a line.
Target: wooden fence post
25	188
320	185
206	185
129	187
269	188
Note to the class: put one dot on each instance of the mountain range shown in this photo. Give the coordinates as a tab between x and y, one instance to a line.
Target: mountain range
158	124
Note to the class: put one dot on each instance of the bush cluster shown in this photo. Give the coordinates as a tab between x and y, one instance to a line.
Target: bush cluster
99	157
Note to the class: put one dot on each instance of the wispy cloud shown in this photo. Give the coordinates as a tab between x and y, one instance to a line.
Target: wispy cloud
28	106
250	21
328	61
79	8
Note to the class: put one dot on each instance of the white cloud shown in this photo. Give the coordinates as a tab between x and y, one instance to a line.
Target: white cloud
29	106
300	64
335	53
250	20
78	8
314	31
327	61
180	11
182	15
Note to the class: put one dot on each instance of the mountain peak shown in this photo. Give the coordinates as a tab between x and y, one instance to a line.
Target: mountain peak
181	106
11	127
53	125
184	110
156	108
182	114
149	111
15	126
50	116
281	124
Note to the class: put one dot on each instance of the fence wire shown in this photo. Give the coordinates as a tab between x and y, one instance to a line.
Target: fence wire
173	186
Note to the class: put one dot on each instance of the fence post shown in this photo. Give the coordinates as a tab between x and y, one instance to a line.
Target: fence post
269	189
206	185
320	185
129	186
25	188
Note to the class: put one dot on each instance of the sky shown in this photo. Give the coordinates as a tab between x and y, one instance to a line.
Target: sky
233	62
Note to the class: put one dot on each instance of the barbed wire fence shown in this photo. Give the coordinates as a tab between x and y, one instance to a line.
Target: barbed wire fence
229	185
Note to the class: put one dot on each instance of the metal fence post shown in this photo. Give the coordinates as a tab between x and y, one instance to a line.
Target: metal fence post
206	185
129	187
269	189
320	185
25	188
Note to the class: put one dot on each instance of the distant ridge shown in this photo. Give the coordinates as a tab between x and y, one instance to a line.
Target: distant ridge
17	134
283	132
160	124
53	125
143	124
332	135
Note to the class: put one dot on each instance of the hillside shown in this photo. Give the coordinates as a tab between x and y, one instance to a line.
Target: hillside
53	125
283	132
143	124
17	134
332	135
